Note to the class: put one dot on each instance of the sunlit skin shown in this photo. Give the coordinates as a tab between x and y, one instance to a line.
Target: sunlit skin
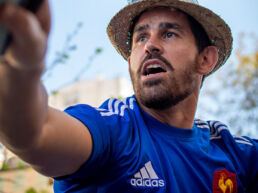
166	32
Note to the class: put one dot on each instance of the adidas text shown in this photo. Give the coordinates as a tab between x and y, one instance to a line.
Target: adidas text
147	177
147	183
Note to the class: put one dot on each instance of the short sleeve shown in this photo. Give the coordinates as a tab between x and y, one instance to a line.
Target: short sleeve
100	134
112	133
115	134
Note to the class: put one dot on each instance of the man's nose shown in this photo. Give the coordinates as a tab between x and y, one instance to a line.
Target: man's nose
153	45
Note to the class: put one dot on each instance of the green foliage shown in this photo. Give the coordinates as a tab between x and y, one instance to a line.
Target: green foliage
43	191
98	50
31	190
55	92
21	165
65	56
246	77
5	167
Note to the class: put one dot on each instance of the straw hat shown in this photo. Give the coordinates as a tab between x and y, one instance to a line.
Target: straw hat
217	30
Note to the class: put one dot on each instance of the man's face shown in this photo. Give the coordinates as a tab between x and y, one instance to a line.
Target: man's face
163	59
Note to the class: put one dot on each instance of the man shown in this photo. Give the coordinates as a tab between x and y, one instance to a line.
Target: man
149	142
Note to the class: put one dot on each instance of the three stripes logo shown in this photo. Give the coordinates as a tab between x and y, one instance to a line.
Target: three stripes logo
147	177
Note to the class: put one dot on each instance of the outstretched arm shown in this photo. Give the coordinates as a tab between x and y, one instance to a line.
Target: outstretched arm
52	141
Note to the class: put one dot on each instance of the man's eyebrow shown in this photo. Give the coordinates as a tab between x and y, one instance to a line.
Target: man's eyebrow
141	28
163	25
168	25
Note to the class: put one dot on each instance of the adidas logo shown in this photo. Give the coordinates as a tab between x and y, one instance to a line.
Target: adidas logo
147	177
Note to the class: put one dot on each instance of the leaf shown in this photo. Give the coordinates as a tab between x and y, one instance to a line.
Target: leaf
43	191
55	92
20	165
98	50
5	166
65	56
256	59
31	190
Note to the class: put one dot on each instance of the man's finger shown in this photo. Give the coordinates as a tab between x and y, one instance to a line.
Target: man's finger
43	15
22	24
29	40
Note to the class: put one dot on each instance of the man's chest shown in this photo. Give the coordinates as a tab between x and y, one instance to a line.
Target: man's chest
178	167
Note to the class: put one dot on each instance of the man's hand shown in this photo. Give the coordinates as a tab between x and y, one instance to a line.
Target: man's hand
29	35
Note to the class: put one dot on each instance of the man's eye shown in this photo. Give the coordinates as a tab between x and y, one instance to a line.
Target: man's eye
142	38
170	34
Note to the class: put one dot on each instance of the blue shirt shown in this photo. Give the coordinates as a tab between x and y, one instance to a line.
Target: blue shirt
133	152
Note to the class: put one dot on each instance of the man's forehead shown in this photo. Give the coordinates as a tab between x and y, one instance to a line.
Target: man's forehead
161	10
152	12
157	12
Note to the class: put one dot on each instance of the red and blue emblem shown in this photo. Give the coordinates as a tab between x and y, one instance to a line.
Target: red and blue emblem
224	182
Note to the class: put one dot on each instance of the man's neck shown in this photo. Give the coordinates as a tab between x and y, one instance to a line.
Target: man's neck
181	115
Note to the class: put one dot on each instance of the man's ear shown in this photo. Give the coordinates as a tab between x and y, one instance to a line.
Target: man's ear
208	59
129	63
128	60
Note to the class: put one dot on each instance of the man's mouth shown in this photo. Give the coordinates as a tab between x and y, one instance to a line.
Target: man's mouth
153	67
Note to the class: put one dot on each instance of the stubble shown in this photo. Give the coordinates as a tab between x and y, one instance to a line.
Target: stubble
161	94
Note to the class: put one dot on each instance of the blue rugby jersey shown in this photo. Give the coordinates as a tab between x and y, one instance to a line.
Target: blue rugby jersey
133	152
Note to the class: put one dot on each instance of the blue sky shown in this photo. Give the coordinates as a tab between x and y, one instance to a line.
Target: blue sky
95	16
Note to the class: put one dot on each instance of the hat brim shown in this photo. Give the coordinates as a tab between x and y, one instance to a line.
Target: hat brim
217	30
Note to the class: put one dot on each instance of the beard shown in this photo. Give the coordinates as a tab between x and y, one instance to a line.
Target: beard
161	94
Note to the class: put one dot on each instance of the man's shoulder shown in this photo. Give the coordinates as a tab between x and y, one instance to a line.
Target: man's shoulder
220	133
110	107
116	106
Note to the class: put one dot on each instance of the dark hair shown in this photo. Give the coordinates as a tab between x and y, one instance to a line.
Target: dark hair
201	38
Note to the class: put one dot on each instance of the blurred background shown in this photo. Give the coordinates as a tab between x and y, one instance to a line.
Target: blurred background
83	67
